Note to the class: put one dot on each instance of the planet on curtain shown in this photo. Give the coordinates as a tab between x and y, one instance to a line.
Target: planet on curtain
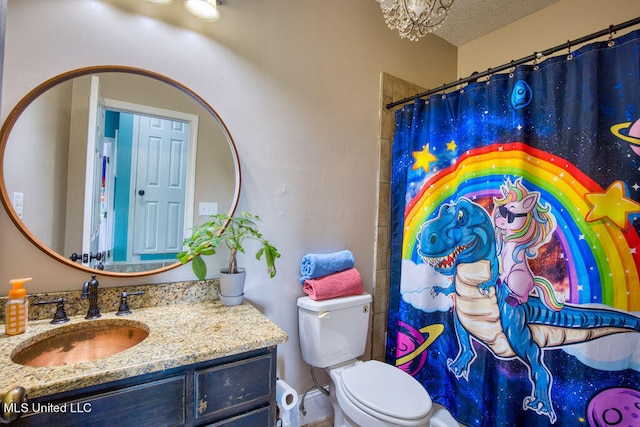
515	246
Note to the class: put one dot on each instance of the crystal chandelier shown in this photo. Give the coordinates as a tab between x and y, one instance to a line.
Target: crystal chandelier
415	18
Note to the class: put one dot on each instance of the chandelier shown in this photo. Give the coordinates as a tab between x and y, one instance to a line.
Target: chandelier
415	18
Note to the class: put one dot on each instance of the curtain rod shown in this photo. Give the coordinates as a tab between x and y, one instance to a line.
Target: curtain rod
536	55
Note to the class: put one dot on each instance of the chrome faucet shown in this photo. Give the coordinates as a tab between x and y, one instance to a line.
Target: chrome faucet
90	290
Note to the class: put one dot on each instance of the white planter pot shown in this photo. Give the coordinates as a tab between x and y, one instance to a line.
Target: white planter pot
232	287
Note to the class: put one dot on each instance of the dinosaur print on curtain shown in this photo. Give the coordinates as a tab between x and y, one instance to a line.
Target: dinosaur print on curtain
515	243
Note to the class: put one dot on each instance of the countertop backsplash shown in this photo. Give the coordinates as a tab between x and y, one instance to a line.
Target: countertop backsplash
109	298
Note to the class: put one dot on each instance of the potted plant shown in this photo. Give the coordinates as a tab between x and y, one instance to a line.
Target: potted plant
231	231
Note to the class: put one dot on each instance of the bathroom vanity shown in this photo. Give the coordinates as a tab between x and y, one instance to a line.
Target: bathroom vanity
231	391
201	364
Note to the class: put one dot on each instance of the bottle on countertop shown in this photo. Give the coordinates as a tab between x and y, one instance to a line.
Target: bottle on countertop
17	309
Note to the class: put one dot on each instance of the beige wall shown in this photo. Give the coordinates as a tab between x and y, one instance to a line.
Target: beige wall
547	28
42	137
297	84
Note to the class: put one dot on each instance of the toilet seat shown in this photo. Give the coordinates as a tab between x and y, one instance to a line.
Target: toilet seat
386	392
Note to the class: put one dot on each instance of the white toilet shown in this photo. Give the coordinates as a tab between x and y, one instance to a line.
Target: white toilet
333	333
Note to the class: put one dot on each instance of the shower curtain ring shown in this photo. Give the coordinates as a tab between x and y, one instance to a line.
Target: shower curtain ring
512	69
461	85
611	43
569	55
444	93
535	60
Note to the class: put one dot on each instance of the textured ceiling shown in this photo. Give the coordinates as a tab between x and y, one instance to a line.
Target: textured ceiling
470	19
467	20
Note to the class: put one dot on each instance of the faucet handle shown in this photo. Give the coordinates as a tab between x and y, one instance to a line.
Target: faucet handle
124	310
60	315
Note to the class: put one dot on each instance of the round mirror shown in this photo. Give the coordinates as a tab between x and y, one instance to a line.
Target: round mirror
107	168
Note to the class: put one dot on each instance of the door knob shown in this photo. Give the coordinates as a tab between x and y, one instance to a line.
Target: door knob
141	192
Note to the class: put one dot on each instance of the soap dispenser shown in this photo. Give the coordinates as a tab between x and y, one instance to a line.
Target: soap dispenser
17	310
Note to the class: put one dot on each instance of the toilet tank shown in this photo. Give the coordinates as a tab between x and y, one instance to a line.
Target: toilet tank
333	331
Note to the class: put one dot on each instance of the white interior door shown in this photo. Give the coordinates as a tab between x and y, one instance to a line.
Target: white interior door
160	185
93	176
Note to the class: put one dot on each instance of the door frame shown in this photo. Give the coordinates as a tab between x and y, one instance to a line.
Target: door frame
192	119
93	166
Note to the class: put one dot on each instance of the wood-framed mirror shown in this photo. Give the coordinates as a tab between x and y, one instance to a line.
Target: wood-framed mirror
106	168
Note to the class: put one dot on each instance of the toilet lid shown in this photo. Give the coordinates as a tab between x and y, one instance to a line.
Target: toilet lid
387	390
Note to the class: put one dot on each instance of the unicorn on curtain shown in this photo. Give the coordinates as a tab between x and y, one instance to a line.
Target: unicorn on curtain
522	226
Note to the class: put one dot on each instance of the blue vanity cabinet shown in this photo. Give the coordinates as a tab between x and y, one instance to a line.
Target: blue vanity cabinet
234	391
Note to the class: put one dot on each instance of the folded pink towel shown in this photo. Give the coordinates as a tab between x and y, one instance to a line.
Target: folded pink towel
341	284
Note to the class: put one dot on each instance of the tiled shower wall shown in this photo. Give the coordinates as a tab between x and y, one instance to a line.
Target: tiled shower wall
391	89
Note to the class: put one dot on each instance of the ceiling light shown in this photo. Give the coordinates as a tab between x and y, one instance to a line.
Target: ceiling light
207	10
163	2
415	18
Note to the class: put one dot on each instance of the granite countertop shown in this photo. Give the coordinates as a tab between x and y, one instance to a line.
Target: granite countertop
179	334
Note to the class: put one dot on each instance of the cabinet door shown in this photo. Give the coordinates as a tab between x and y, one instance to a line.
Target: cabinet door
233	387
157	403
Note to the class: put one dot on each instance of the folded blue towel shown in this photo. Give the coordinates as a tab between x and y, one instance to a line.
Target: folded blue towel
313	266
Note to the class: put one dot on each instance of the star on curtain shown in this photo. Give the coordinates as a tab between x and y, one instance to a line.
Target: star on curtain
613	204
423	159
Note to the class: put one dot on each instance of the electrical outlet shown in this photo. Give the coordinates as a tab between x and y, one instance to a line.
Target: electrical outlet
18	203
207	208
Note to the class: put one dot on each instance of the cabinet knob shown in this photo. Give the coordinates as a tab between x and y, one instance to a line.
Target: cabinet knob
12	403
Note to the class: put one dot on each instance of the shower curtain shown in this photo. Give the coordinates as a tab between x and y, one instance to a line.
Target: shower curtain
515	243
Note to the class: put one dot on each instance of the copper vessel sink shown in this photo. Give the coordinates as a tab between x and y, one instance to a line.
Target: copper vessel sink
80	342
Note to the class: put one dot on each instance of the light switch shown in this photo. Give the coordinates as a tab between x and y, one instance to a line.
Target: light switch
207	208
18	203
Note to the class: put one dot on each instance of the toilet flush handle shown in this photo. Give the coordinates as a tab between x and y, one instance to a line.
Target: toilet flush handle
324	314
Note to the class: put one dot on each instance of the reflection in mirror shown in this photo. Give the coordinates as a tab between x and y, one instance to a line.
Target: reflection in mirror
109	167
